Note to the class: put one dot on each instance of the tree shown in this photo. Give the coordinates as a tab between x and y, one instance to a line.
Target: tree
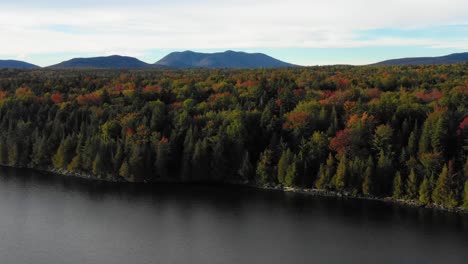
246	169
383	138
412	185
339	180
124	171
443	194
398	187
291	174
465	196
368	182
326	173
425	192
264	167
283	165
98	165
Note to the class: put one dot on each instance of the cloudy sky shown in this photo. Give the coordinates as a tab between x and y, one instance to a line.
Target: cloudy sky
306	32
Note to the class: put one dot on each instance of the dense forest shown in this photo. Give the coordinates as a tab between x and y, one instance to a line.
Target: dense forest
398	132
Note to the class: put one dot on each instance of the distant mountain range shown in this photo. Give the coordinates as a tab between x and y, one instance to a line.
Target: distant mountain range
186	59
117	62
227	59
449	59
14	64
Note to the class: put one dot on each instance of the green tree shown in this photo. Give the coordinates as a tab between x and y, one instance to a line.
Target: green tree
246	170
412	185
283	165
291	175
398	187
368	181
339	180
465	196
425	192
264	168
326	173
443	194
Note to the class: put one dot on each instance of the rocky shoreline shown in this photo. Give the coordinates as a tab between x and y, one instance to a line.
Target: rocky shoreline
304	191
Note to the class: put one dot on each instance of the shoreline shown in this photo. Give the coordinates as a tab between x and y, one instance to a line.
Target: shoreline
295	190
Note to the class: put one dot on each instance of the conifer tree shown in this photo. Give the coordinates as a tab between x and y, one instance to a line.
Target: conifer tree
291	175
425	192
443	194
465	196
368	182
246	169
398	186
412	185
283	165
339	180
264	167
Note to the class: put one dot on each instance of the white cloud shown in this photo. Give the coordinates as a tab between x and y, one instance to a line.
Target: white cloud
133	29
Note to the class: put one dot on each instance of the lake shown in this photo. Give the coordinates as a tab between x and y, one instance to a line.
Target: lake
48	219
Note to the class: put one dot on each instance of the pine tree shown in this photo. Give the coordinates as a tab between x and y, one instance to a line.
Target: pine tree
339	180
325	180
368	182
246	169
412	185
443	194
291	175
425	192
3	152
39	153
124	170
413	142
398	186
283	165
465	196
264	167
98	165
425	139
439	135
162	159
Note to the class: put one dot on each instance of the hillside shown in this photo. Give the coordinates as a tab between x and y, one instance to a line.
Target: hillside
14	64
110	62
449	59
227	59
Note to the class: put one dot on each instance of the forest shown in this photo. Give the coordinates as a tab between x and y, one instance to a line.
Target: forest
375	131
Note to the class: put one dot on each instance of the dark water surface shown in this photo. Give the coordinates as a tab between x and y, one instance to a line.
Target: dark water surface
51	219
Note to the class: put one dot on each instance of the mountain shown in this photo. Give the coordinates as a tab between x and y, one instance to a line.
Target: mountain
227	59
111	62
14	64
449	59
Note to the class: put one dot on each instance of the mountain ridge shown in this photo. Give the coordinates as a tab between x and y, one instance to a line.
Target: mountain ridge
103	62
16	64
446	59
226	59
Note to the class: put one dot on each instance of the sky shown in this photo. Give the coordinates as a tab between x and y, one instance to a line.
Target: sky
304	32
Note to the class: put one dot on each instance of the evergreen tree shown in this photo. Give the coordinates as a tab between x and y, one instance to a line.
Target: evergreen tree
368	182
124	171
339	180
98	165
246	169
443	194
3	153
465	196
264	167
412	185
326	173
291	175
425	192
283	165
398	187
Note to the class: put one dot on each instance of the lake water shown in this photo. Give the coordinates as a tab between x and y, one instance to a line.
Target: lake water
51	219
